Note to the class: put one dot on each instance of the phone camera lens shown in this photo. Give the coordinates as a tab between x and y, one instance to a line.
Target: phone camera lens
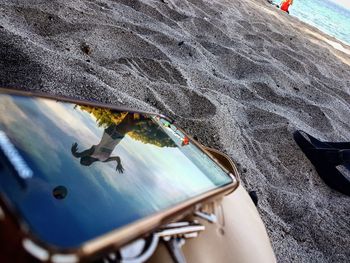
60	192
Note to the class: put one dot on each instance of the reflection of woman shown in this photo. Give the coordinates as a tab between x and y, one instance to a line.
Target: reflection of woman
102	151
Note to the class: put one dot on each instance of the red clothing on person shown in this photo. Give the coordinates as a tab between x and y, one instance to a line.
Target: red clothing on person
285	5
185	141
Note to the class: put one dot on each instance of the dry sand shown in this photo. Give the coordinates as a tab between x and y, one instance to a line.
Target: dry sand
240	75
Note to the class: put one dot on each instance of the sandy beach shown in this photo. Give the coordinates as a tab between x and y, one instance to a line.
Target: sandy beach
240	75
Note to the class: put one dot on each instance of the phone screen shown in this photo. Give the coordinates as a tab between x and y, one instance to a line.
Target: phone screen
82	171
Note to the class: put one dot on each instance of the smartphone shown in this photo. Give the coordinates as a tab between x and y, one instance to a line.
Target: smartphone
81	177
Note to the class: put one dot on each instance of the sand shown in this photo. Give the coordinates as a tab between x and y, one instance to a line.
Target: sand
240	75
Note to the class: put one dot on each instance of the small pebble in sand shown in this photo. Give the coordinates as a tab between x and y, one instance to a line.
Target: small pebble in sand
86	48
296	88
181	43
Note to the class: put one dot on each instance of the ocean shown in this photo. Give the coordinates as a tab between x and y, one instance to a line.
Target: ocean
327	16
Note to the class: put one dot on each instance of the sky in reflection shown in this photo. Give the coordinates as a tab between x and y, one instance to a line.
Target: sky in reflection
156	174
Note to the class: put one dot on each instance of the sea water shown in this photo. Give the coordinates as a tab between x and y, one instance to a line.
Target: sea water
326	15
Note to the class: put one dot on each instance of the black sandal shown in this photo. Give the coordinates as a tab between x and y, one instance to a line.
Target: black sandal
331	160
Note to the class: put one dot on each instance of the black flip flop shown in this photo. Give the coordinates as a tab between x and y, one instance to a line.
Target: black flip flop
331	160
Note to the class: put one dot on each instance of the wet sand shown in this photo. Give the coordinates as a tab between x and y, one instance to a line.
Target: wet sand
240	75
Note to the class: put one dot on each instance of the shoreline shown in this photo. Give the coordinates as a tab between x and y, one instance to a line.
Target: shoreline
345	44
317	32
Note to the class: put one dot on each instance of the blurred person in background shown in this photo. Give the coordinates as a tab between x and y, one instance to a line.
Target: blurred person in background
285	4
